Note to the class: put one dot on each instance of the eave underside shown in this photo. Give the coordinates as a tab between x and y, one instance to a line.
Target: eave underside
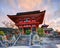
38	17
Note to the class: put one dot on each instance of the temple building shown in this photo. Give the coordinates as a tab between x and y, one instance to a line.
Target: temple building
44	26
48	31
28	20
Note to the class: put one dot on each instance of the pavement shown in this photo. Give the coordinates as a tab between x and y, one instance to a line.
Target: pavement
47	43
58	45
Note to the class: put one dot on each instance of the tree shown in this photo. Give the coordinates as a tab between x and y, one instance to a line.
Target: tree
9	24
28	32
2	33
41	32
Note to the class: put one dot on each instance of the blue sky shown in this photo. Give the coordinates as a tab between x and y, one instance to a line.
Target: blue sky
52	7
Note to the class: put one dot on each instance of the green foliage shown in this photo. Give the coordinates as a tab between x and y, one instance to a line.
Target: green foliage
0	38
41	32
2	33
20	30
28	32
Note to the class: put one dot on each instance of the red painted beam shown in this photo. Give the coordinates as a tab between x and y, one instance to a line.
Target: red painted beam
39	16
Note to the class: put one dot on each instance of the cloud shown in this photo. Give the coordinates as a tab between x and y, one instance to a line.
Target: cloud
55	23
52	16
29	4
12	4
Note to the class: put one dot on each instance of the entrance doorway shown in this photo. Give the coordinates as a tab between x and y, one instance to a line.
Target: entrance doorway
25	29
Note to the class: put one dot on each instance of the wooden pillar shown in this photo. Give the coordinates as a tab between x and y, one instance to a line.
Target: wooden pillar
22	30
37	27
31	28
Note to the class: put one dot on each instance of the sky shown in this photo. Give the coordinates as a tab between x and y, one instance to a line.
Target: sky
11	7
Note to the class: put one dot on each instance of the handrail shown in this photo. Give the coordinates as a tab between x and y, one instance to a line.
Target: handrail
16	40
